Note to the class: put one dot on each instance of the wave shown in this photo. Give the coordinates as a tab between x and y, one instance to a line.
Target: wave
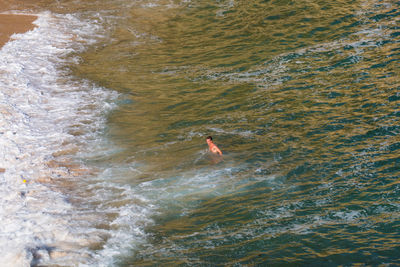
48	117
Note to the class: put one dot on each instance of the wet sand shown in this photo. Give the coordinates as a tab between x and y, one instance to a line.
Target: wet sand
11	23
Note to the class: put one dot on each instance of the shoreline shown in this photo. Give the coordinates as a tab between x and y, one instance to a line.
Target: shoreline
14	23
38	172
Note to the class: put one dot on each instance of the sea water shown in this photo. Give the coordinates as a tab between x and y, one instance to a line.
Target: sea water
105	107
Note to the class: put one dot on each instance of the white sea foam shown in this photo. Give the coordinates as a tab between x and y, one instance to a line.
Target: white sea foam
42	111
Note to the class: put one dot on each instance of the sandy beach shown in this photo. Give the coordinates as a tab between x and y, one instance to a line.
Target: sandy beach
11	23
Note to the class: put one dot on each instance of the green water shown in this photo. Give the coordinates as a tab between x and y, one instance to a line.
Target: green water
301	96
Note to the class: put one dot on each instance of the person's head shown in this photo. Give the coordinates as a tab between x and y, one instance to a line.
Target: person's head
209	139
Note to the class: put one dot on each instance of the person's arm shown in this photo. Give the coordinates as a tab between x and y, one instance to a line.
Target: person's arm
218	150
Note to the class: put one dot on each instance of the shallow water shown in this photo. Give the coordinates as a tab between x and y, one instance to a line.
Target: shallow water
302	97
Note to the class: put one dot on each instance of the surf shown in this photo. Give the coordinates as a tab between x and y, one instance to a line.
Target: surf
47	117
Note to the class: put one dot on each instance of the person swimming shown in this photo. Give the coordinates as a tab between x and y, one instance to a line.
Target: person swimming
213	148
